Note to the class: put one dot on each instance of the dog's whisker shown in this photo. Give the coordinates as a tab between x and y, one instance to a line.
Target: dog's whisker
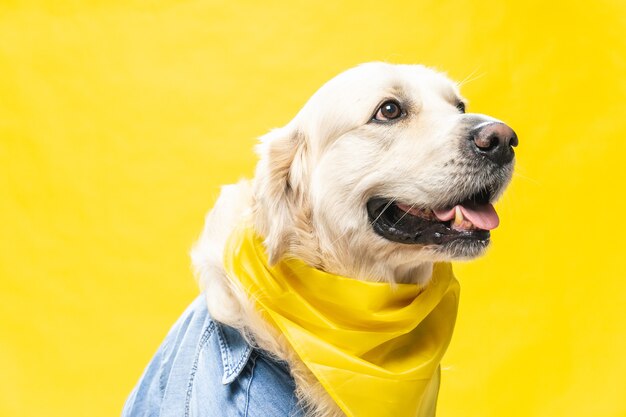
389	203
534	181
405	213
383	210
470	78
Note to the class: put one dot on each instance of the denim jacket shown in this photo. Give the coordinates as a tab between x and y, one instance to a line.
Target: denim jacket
206	369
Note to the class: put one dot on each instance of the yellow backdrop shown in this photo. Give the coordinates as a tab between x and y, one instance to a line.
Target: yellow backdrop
120	119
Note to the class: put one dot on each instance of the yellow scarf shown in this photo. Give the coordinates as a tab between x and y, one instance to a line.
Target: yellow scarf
374	347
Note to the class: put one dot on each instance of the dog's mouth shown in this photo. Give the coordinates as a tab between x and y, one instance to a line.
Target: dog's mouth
465	223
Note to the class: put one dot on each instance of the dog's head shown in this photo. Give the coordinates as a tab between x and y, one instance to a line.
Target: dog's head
381	173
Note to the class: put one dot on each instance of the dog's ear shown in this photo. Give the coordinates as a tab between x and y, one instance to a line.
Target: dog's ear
279	199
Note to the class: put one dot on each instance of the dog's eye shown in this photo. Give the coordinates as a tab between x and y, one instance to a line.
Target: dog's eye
389	110
460	106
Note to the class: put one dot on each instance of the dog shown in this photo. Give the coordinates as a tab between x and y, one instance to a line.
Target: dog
379	177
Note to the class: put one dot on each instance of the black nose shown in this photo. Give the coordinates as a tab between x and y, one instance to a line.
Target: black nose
494	140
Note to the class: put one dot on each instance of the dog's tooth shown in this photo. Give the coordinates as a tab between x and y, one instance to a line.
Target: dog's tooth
467	225
458	217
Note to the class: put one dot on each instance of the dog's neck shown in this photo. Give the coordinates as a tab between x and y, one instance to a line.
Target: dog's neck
403	273
308	249
419	274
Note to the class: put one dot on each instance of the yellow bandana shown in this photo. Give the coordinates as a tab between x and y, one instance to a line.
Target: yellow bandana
374	347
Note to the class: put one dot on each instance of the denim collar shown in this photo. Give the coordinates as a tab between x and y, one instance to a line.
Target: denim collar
235	352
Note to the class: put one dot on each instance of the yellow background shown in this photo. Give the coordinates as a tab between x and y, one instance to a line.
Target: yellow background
120	119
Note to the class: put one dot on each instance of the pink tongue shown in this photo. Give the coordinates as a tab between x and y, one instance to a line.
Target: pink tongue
483	217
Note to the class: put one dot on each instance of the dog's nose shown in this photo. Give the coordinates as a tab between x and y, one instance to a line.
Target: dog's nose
495	140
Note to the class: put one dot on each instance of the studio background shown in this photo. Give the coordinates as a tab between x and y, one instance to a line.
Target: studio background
120	119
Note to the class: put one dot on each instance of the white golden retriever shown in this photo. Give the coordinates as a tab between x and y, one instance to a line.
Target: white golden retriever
379	175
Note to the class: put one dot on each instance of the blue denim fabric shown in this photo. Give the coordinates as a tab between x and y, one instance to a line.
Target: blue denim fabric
206	369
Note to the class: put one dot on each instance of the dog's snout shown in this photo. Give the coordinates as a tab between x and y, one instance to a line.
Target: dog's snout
494	140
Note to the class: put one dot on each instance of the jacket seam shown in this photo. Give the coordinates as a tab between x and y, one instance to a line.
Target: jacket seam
203	341
231	368
252	367
242	362
224	350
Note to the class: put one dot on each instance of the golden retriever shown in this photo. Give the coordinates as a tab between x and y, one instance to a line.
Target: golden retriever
380	174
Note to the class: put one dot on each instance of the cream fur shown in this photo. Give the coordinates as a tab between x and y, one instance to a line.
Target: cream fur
311	184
